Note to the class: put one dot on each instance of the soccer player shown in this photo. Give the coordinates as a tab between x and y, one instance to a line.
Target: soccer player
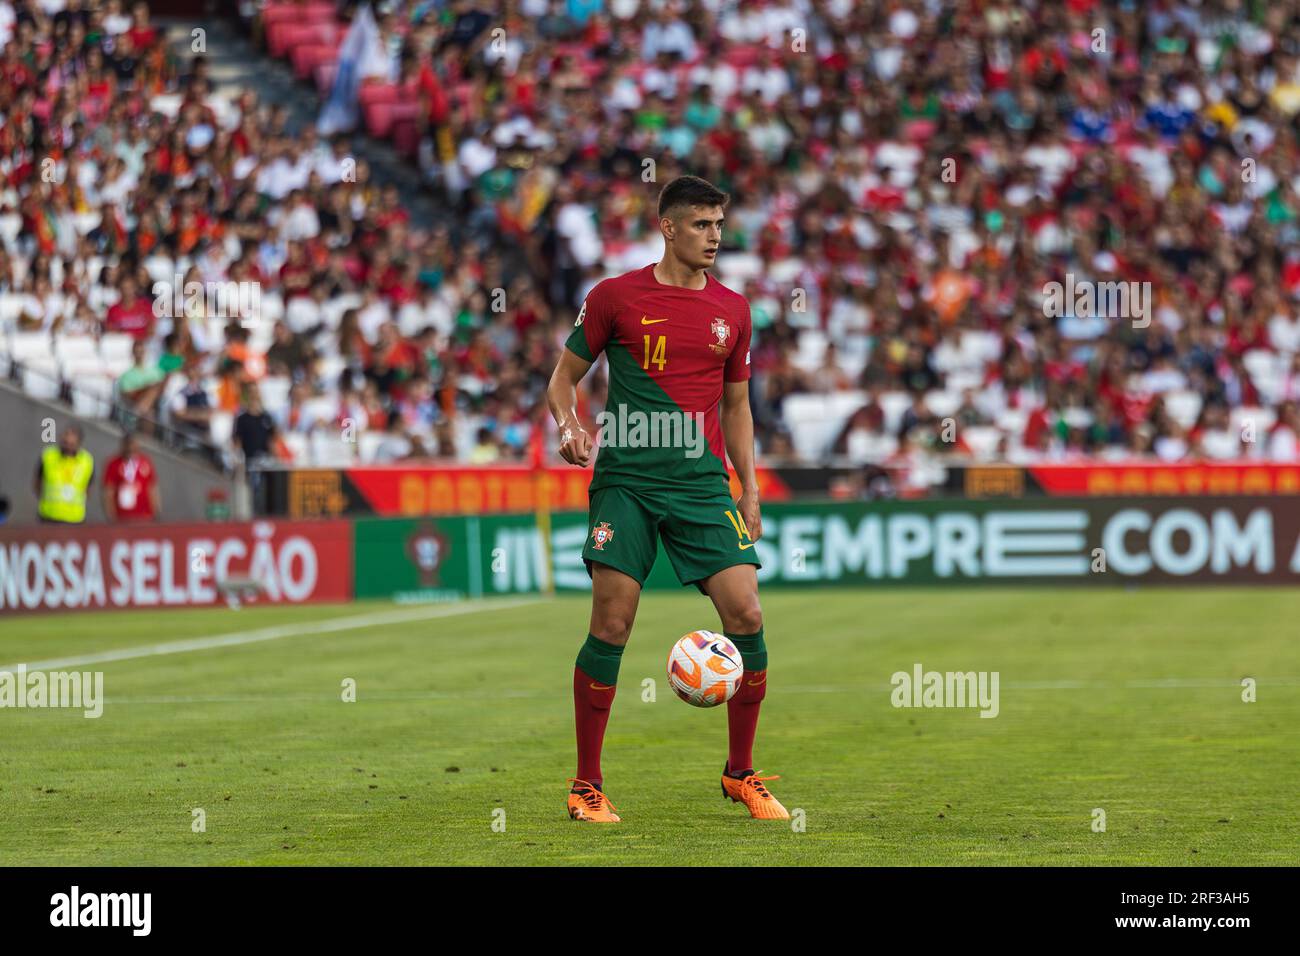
677	343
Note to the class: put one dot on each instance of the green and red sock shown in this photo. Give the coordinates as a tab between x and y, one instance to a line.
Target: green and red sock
742	709
595	679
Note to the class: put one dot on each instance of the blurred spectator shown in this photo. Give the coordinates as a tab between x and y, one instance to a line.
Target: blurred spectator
289	353
63	475
131	485
191	407
255	430
132	314
141	385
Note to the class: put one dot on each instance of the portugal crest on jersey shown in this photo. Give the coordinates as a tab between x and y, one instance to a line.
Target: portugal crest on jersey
722	333
601	535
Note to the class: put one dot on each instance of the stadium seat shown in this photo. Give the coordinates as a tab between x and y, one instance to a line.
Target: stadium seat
1259	419
961	380
323	408
221	426
280	12
285	34
329	369
29	347
943	403
894	404
1266	372
812	346
72	350
853	363
328	447
815	420
10	225
92	394
840	405
275	393
1183	406
982	440
368	443
379	119
116	347
372	91
406	137
1076	417
319	12
296	442
381	116
40	377
1221	444
1013	422
324	75
74	370
980	346
308	56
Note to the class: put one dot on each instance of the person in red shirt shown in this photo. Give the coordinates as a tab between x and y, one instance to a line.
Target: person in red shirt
131	485
132	313
142	33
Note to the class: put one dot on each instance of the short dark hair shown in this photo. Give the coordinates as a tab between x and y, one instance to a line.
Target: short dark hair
690	191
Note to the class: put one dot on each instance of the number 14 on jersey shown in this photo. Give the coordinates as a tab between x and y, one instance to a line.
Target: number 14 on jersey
659	356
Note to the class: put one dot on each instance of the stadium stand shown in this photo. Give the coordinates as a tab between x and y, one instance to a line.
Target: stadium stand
907	179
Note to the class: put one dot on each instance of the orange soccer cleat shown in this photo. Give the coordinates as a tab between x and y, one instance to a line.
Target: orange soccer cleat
587	802
748	789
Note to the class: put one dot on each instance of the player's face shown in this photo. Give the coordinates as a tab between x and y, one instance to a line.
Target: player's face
696	235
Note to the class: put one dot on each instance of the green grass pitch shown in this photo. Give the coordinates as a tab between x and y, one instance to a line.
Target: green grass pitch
457	748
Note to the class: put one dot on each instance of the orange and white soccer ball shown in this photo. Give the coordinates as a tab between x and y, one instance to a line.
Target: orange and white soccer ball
704	669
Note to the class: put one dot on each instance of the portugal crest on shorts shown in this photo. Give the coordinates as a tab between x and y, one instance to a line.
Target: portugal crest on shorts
722	332
601	535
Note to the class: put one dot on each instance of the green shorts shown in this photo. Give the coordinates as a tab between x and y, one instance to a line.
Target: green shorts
702	534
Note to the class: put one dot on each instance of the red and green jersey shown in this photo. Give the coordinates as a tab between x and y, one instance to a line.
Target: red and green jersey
669	351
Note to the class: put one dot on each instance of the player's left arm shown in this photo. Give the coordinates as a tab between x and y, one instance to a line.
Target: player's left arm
738	432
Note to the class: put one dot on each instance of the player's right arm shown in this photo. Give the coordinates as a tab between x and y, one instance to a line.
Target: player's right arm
590	334
562	396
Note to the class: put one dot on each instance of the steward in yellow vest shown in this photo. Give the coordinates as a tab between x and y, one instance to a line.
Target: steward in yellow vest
62	477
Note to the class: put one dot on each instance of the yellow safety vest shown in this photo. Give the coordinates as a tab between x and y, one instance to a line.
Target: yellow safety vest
64	482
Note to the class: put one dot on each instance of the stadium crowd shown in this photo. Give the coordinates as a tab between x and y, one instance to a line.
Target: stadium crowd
907	177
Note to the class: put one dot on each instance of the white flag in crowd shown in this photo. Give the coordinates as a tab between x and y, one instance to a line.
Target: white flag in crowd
362	55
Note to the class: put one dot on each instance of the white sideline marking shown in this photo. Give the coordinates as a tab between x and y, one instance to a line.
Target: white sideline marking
502	693
236	638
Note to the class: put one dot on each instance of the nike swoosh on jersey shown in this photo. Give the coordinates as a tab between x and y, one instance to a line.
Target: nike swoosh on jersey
645	321
745	547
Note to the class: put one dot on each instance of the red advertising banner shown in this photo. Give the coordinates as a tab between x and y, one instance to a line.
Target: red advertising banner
412	491
84	567
1179	478
455	490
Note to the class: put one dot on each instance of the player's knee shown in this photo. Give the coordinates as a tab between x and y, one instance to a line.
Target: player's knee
612	628
746	619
